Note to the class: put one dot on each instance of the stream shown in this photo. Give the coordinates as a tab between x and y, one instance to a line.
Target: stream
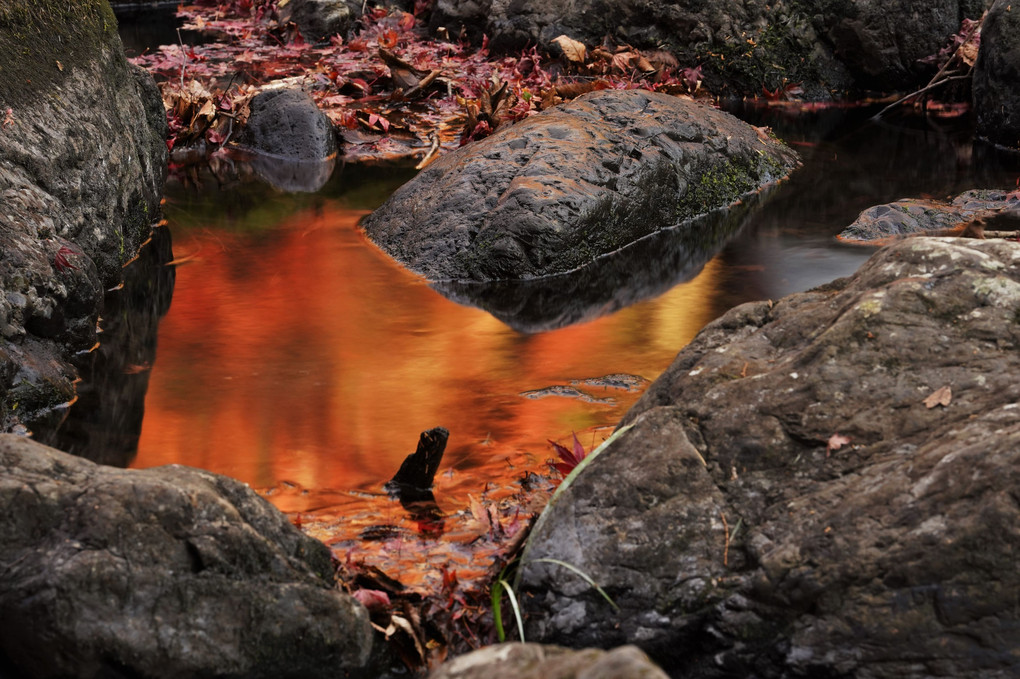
294	355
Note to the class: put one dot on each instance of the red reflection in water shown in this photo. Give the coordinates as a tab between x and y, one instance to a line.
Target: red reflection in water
305	363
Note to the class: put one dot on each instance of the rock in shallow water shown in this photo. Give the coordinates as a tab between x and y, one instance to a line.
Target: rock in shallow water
168	572
553	192
740	537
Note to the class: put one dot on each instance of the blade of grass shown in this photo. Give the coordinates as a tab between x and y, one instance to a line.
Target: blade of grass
561	489
497	609
584	576
517	609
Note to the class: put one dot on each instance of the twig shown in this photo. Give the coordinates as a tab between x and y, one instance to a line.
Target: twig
935	82
929	86
726	546
184	56
431	154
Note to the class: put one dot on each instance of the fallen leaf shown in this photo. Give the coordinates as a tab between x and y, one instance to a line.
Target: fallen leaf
572	49
940	397
372	599
836	441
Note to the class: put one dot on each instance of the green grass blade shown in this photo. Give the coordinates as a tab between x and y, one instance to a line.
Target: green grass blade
566	483
497	609
517	609
584	576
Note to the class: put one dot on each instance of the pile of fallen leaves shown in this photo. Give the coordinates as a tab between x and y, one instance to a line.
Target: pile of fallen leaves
392	90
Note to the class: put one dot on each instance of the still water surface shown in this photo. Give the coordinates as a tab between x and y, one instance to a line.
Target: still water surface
299	358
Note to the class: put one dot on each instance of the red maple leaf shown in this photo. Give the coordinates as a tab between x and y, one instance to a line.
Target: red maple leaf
60	259
571	458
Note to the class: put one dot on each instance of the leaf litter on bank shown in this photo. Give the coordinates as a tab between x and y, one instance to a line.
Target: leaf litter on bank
391	90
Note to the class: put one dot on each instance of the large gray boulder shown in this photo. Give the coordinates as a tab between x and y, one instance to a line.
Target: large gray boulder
554	192
741	536
82	164
826	47
168	572
534	661
996	73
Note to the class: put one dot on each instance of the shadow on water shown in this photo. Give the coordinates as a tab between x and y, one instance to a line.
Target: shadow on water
642	270
105	423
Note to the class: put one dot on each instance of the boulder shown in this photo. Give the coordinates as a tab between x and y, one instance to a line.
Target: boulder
824	47
552	193
996	99
286	123
917	216
321	19
820	486
82	164
167	572
534	661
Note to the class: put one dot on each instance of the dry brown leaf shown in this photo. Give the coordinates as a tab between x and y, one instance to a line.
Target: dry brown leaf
940	397
968	53
622	60
572	49
644	65
836	441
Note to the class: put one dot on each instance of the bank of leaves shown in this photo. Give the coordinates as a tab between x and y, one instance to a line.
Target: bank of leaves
391	89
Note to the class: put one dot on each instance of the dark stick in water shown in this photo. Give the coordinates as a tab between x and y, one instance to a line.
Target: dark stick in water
418	470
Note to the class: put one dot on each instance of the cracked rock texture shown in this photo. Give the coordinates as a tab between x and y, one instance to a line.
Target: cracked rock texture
555	191
82	164
166	572
740	540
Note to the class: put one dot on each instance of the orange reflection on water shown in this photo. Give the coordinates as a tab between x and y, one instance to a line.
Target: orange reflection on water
304	362
305	355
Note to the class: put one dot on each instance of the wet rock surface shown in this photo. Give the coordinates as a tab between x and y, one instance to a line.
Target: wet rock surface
534	661
322	19
741	537
82	163
286	123
918	216
554	192
825	47
642	270
168	572
996	99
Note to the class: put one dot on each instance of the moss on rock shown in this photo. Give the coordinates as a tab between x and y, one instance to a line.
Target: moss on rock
41	40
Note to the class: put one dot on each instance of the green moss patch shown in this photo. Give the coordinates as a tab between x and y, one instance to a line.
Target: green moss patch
42	40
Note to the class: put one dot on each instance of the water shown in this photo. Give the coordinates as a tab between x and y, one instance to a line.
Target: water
296	352
297	357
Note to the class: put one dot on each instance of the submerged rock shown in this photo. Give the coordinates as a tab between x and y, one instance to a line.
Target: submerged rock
82	164
996	99
918	216
819	486
554	192
168	572
534	661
